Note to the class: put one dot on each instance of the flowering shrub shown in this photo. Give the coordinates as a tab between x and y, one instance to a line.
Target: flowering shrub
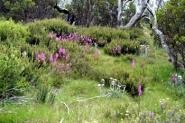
177	84
118	47
114	48
41	57
124	82
140	92
104	35
84	40
60	54
40	29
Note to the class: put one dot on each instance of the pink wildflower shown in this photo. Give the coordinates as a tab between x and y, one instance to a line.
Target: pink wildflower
140	92
51	59
62	51
41	57
57	38
174	78
133	63
55	58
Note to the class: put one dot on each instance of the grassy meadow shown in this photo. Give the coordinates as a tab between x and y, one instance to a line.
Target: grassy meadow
52	72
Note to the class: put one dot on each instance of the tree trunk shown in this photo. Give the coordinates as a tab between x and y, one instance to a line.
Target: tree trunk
121	4
141	6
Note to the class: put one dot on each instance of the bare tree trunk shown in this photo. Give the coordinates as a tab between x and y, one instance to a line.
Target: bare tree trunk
141	6
90	7
121	4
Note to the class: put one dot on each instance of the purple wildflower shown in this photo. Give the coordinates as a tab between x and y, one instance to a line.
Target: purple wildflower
57	38
41	57
140	92
174	78
55	58
62	51
51	59
116	50
85	40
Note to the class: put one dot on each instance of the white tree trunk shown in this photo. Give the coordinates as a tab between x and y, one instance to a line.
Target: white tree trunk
121	4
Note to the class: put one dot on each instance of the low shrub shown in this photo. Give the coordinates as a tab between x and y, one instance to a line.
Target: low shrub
81	66
104	35
12	32
73	48
118	47
56	25
73	37
135	33
11	81
39	30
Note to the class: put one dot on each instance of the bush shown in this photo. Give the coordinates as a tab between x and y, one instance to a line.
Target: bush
10	80
12	32
135	33
81	66
40	29
104	35
72	47
114	48
118	47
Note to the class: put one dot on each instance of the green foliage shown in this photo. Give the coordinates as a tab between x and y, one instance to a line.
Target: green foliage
12	32
11	82
81	88
81	66
118	47
96	12
45	95
26	10
135	33
42	94
74	48
173	27
104	35
15	9
18	67
56	25
39	30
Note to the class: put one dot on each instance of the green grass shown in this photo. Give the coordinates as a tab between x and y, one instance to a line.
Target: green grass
154	71
100	109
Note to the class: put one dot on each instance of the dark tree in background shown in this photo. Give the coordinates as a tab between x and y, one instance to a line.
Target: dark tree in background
27	10
95	12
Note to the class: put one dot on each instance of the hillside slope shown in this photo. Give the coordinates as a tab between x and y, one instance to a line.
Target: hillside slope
58	73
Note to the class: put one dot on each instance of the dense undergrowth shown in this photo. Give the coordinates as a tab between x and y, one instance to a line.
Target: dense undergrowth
50	67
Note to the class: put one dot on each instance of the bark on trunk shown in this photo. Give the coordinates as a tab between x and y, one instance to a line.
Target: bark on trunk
140	6
121	4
